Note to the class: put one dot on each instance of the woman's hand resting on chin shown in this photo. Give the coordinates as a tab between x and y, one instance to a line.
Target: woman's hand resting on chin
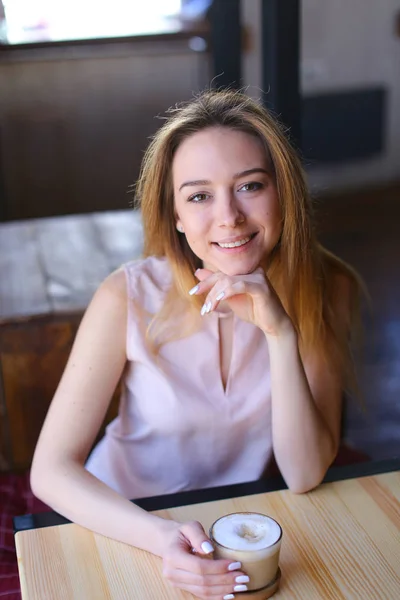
251	297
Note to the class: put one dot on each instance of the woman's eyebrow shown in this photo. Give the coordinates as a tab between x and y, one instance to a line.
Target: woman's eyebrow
251	171
236	176
196	182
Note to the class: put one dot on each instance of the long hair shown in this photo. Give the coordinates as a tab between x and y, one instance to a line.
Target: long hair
301	271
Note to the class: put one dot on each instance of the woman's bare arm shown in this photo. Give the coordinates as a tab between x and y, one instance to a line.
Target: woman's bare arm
58	476
306	398
306	406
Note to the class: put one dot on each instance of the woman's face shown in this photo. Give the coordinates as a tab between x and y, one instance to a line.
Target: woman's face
226	199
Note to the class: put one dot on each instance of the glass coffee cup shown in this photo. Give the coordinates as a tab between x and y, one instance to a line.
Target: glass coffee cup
254	540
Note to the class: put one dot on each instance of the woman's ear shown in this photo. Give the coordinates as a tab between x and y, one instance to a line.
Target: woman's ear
179	227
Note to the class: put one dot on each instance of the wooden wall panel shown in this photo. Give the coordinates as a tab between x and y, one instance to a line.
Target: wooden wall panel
74	122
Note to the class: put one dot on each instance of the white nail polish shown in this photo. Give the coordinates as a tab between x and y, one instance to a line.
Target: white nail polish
194	290
220	296
203	309
242	579
209	305
240	588
235	566
228	597
207	547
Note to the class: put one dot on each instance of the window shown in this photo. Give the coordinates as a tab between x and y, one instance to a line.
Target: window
56	20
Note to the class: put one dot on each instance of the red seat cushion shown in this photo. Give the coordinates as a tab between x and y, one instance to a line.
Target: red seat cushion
16	498
9	580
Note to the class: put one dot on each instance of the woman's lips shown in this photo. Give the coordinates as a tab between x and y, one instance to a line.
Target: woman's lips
241	245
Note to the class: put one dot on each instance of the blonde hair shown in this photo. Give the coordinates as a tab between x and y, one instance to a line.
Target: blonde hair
302	272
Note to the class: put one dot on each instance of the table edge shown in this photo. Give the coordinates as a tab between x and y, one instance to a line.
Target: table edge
261	486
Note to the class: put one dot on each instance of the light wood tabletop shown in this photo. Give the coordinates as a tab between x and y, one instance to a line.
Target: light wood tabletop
341	540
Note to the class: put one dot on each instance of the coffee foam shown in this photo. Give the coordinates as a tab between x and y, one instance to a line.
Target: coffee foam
246	531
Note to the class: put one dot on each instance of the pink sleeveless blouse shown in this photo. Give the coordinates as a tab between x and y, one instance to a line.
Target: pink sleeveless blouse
178	428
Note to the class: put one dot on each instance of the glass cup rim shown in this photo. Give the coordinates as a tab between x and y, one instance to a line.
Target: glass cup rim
244	512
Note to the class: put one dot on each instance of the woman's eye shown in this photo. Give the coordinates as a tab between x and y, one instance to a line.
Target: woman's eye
251	187
198	198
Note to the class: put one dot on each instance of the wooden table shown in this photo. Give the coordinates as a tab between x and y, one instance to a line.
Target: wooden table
341	540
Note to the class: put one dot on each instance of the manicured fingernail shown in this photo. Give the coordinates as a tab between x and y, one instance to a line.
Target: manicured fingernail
242	579
207	547
235	566
206	308
228	597
194	290
240	588
220	296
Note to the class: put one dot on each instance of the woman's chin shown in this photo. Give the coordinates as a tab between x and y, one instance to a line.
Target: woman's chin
234	270
241	272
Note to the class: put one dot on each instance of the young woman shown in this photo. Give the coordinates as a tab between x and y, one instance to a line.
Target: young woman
231	337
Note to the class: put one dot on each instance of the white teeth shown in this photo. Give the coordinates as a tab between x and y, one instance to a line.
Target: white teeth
235	244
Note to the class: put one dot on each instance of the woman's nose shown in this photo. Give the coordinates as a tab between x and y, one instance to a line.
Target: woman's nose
228	212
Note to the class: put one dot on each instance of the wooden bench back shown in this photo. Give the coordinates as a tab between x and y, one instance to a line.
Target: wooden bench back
33	355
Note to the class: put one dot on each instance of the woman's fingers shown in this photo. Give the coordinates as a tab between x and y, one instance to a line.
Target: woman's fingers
181	558
230	579
219	286
197	537
206	281
217	593
216	586
250	297
188	564
221	293
202	274
191	551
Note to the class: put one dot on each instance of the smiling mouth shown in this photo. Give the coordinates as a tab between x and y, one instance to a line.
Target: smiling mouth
242	242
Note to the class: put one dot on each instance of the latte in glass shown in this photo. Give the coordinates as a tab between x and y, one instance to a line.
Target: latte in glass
254	540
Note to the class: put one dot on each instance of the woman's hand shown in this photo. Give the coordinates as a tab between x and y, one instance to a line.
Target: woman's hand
186	566
251	297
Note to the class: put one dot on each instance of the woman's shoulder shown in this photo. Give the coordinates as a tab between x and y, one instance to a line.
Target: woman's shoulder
150	275
144	281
